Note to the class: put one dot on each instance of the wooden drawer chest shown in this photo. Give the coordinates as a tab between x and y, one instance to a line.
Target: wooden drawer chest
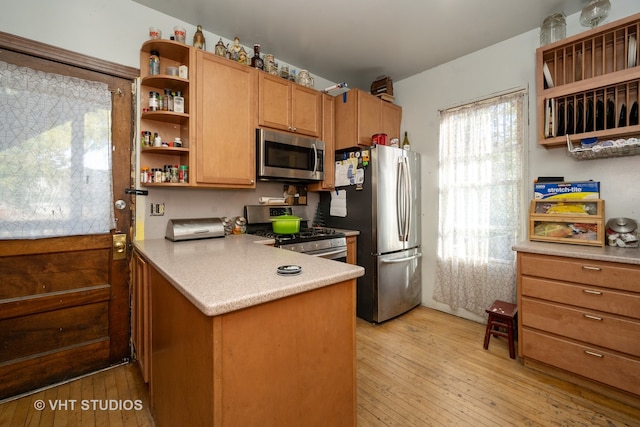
581	316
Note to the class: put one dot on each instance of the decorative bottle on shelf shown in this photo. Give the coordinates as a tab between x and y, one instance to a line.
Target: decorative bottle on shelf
198	38
256	60
405	143
154	63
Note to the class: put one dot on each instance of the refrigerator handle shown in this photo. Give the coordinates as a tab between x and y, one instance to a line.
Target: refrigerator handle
408	192
400	201
397	260
403	212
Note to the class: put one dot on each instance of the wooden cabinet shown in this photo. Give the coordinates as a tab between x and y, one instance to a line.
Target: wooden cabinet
574	221
361	115
140	314
275	363
328	137
352	250
391	117
225	123
167	124
581	316
288	106
588	86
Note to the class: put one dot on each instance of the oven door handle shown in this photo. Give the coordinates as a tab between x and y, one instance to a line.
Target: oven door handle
326	254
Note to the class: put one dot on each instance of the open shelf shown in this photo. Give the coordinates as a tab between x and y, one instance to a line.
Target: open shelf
589	85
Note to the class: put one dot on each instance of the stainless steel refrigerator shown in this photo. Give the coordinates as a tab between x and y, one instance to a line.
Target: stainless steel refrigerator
386	211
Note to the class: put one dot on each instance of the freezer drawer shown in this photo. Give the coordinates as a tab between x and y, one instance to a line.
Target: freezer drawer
399	284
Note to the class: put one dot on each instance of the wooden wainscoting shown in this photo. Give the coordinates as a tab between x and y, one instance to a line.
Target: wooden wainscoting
54	314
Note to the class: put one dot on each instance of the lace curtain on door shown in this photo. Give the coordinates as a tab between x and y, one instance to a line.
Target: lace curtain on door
480	174
55	155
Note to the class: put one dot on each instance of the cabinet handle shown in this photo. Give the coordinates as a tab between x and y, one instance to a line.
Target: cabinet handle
589	291
588	267
592	353
592	317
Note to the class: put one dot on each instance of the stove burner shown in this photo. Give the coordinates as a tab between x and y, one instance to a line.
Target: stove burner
305	235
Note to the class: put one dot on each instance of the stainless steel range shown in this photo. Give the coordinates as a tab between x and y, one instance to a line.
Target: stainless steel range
321	242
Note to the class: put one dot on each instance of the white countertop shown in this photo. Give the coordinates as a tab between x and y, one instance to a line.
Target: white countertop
238	271
608	253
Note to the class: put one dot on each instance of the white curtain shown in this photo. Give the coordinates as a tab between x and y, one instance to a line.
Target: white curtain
55	155
480	174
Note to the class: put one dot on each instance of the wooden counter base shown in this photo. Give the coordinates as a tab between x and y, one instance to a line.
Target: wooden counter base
278	363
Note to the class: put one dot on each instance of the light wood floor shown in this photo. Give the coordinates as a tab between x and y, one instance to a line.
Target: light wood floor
425	368
428	368
119	390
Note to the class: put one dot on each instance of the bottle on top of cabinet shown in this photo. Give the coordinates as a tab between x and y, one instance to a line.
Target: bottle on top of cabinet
405	143
256	60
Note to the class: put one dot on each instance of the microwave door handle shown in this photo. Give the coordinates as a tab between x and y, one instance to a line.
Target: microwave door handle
315	158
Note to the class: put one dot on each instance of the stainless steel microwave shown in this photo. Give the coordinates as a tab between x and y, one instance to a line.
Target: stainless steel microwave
284	156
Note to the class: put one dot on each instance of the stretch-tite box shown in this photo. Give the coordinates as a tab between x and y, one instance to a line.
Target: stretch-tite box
567	190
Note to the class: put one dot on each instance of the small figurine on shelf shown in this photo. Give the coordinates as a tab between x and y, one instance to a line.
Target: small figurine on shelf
198	39
243	57
234	50
221	49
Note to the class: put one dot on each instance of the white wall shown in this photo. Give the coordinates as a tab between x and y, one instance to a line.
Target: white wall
111	30
114	30
499	68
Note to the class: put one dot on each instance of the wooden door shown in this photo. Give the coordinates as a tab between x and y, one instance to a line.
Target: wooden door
141	314
274	100
64	301
306	104
225	123
328	136
369	117
391	119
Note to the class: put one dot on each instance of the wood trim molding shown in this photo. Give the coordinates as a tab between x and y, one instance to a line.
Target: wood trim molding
56	54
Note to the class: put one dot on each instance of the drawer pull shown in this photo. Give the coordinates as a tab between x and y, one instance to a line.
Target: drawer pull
588	267
589	291
592	317
592	353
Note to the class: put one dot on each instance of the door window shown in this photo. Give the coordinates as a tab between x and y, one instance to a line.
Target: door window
55	155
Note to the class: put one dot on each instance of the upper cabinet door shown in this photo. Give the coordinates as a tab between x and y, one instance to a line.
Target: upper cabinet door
287	106
306	114
369	117
328	136
360	115
274	109
391	119
225	123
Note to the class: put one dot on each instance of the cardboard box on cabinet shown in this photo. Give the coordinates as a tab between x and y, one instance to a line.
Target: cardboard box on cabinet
567	190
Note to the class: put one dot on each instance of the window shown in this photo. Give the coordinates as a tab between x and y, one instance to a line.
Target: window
55	152
480	190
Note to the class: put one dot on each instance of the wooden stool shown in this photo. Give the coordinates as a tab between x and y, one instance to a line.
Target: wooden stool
502	315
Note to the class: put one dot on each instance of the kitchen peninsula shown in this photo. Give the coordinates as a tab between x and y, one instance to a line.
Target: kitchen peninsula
234	343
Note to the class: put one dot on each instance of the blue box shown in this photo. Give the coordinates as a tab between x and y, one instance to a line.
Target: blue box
567	190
